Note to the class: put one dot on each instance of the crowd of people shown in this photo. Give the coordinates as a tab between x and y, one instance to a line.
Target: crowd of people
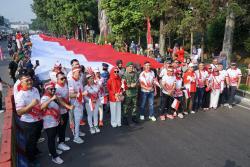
123	93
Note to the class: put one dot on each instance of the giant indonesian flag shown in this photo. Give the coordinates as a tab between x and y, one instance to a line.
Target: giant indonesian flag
49	50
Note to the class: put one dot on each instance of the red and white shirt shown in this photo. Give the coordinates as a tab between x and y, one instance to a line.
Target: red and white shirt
233	76
147	79
223	75
168	83
63	93
93	92
75	86
69	76
51	115
217	83
201	77
24	98
178	88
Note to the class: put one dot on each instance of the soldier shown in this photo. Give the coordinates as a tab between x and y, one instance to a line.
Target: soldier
131	79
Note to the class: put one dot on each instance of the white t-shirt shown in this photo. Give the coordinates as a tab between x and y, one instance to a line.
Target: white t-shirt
201	77
217	82
147	79
163	72
63	92
51	115
24	98
93	92
178	91
15	90
234	76
75	87
168	83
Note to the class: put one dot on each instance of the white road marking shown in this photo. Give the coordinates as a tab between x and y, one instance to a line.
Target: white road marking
247	108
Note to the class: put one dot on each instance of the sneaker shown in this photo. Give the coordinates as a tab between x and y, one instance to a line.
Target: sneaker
97	130
192	112
180	115
119	125
57	160
185	113
66	139
162	117
101	123
78	140
92	130
142	117
125	121
175	114
82	122
152	118
81	134
135	120
59	152
170	116
63	147
1	111
113	125
226	104
40	140
230	106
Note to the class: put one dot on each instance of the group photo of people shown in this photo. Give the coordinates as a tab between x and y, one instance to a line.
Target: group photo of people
112	96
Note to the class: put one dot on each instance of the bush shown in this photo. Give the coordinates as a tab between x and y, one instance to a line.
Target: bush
245	87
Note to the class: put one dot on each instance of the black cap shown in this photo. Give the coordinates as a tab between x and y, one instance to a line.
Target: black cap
105	65
118	62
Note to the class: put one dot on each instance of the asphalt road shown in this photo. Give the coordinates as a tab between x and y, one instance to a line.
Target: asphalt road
207	139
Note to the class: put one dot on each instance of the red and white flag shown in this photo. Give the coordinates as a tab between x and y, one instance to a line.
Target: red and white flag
175	105
149	37
104	99
186	93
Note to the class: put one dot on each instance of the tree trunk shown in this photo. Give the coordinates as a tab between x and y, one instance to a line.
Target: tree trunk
202	47
191	42
228	35
162	38
105	29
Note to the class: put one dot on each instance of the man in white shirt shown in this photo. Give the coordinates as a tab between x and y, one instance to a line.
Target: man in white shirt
201	78
234	79
148	84
168	83
1	93
214	63
224	95
28	108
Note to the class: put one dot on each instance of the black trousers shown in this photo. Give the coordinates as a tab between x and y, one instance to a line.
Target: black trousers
32	132
166	104
182	104
231	94
1	100
62	127
51	134
206	99
223	96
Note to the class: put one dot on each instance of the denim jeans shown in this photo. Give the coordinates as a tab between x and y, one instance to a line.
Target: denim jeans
198	98
231	92
143	99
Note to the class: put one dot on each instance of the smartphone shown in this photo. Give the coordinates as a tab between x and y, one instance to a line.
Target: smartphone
37	63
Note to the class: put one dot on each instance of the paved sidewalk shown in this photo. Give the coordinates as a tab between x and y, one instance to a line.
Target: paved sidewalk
4	74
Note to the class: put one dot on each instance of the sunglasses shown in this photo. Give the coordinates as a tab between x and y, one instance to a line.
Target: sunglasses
62	79
52	89
116	72
209	68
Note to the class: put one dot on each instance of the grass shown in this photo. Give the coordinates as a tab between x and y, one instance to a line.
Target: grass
245	87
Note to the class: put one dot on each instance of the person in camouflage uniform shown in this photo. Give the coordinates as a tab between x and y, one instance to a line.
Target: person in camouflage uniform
131	79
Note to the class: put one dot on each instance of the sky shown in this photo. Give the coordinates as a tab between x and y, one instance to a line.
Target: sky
17	10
